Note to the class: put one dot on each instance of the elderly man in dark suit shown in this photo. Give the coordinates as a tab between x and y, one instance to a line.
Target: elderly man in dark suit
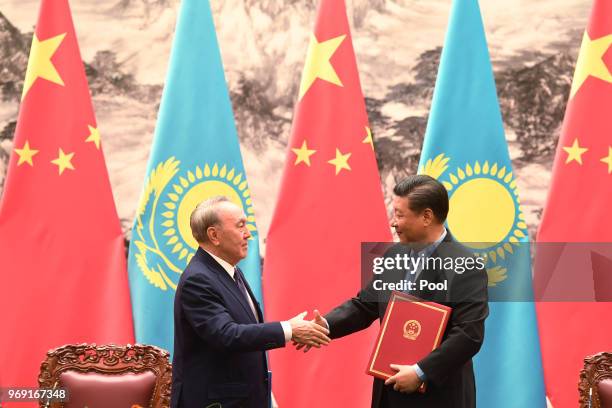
220	337
420	207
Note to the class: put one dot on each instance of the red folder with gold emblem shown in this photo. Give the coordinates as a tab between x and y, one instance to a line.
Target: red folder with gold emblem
411	329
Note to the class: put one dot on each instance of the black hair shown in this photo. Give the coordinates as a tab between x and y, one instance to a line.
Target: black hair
424	192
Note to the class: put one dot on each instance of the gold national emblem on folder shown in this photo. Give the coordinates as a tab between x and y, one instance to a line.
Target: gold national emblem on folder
412	329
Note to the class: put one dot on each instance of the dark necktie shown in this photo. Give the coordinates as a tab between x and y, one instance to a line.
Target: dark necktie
245	293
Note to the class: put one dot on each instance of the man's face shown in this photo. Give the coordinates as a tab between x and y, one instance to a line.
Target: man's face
233	233
409	226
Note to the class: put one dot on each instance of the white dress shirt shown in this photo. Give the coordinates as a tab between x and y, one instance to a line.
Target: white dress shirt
229	268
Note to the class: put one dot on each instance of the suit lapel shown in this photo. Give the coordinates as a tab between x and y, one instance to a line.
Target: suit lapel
228	282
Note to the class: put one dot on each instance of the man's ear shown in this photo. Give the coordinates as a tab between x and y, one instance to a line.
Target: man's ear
213	235
428	216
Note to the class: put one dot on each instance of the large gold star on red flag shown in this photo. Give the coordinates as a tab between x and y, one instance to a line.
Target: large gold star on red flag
39	63
318	63
590	61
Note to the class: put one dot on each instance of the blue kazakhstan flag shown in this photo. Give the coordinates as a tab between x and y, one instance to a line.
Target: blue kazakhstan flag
195	155
466	150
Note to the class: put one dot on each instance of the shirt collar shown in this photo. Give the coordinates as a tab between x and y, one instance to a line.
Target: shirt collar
229	268
428	250
442	236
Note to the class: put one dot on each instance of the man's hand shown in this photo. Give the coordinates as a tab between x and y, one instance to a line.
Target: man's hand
308	333
317	320
405	380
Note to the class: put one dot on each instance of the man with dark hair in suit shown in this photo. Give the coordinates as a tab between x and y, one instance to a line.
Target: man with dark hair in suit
420	207
220	337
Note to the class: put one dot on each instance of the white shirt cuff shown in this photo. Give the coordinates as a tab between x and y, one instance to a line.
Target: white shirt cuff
419	373
288	331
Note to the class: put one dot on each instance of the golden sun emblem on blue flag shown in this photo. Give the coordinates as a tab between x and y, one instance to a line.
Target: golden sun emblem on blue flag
485	213
162	235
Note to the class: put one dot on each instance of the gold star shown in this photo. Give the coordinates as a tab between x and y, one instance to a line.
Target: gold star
368	138
608	160
303	154
63	161
341	161
590	61
26	154
39	63
94	136
574	152
317	63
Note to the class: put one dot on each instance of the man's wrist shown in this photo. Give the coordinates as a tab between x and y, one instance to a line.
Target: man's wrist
287	330
419	373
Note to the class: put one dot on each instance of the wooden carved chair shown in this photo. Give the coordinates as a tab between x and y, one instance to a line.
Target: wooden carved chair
108	376
595	385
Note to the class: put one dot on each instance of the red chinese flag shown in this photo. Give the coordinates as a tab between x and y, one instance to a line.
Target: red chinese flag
330	201
578	210
62	258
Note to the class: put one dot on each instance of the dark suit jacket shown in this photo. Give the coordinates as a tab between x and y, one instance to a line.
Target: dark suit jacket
219	348
449	372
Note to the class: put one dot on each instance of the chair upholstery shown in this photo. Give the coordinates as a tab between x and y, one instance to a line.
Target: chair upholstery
108	376
604	390
596	378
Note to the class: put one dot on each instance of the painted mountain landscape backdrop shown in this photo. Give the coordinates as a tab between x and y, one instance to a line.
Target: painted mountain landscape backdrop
125	45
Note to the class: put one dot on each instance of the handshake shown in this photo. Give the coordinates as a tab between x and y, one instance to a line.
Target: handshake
309	333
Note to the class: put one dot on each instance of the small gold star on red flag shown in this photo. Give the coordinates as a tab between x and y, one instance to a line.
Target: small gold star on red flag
94	136
574	152
340	161
63	161
608	160
25	154
368	139
303	154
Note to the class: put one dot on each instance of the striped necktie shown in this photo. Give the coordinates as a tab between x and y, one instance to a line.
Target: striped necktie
240	282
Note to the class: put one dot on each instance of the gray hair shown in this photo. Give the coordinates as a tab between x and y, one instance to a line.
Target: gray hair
205	216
